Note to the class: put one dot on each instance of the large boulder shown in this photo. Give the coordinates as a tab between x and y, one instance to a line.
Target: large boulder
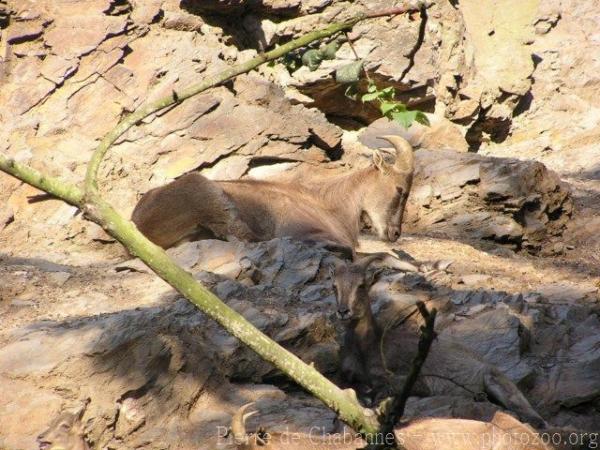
464	195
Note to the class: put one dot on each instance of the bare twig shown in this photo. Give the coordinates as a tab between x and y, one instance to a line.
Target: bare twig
391	11
391	410
367	76
425	341
418	44
351	45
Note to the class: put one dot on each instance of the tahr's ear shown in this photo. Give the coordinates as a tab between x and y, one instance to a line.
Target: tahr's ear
379	161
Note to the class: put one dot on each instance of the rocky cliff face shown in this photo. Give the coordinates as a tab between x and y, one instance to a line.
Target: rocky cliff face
79	320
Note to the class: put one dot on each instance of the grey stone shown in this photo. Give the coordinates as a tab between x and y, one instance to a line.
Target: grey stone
565	292
227	289
317	293
500	199
41	264
186	255
176	20
253	315
499	337
573	377
296	327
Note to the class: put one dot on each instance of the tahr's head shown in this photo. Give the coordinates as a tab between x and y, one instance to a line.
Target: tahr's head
385	202
351	283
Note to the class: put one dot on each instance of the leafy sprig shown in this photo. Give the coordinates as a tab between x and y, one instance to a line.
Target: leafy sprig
351	74
391	108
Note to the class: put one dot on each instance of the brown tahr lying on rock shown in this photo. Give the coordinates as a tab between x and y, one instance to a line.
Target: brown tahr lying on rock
374	362
328	211
502	433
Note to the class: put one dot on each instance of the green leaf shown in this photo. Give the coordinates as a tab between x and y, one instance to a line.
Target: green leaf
372	87
370	97
388	107
388	93
422	118
349	73
404	118
312	59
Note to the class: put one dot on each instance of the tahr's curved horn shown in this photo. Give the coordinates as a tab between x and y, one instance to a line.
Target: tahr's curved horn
405	159
238	423
390	261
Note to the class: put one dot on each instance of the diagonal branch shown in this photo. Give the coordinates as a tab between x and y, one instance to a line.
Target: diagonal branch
102	213
96	209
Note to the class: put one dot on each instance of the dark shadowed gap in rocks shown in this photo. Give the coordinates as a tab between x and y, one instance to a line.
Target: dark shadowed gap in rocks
262	161
4	15
238	7
118	7
537	59
233	33
334	154
127	50
329	97
524	104
497	129
231	18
